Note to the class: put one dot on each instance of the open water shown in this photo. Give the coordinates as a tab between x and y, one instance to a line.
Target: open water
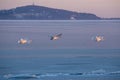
75	56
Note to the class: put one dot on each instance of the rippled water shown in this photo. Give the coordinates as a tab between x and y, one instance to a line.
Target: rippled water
75	56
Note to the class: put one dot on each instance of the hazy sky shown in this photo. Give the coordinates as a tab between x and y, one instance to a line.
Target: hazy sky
102	8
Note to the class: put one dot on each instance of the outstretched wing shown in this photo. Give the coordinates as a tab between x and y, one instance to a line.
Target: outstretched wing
51	38
59	35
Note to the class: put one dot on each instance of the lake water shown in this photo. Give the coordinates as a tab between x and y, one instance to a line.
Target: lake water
75	56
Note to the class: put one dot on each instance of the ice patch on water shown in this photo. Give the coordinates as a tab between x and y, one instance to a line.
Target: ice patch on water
99	72
92	73
115	73
32	76
20	76
54	74
49	74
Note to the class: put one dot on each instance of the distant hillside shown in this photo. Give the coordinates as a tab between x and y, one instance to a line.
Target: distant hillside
33	12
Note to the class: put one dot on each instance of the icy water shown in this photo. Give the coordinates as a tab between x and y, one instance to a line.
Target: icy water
75	56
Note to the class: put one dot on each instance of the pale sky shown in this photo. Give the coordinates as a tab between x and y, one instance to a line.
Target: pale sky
102	8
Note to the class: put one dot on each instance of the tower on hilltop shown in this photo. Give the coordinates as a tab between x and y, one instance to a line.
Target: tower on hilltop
33	4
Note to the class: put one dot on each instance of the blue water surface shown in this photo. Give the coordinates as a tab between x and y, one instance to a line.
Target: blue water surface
75	56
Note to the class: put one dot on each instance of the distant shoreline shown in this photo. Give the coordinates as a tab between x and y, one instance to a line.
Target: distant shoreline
34	12
61	20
